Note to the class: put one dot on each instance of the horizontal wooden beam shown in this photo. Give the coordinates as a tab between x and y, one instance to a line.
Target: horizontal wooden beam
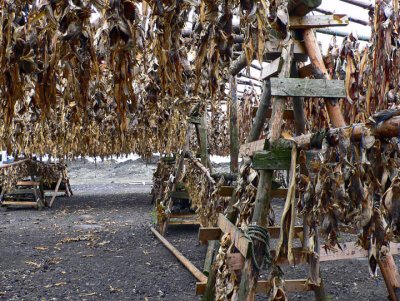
22	204
276	159
307	87
317	21
182	222
242	243
14	163
28	183
350	250
264	286
214	233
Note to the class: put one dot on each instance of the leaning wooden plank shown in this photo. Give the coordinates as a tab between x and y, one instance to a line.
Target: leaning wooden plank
55	192
195	271
308	87
318	21
242	243
264	286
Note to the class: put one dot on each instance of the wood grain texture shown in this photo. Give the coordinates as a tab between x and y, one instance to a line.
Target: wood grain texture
308	87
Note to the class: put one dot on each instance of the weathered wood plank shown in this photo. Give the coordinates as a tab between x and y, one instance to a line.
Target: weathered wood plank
249	149
307	87
275	159
318	21
271	69
242	243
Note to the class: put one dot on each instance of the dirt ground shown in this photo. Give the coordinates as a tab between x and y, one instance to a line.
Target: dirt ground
97	245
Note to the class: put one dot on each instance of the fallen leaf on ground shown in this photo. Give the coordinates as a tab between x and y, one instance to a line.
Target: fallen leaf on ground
88	294
41	248
34	264
114	289
56	284
103	243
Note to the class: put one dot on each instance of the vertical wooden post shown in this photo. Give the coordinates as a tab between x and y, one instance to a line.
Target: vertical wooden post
203	140
233	126
248	282
391	276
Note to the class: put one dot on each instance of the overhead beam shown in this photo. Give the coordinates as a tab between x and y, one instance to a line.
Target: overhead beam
318	21
343	33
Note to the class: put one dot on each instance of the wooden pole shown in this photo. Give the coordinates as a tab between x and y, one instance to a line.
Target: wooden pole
233	127
391	276
248	282
190	266
386	129
351	18
333	108
360	3
261	115
203	140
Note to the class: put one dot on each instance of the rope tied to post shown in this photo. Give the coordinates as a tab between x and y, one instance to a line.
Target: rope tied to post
257	233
